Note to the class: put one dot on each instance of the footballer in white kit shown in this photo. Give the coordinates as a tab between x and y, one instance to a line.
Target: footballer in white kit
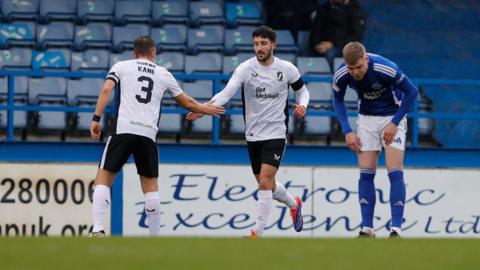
141	86
265	81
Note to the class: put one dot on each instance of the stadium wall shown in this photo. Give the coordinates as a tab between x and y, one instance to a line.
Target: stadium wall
209	191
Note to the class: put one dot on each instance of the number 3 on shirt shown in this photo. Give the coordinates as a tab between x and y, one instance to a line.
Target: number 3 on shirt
147	89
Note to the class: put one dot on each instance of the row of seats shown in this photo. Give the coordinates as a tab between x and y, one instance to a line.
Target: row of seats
99	60
83	93
73	92
171	37
122	12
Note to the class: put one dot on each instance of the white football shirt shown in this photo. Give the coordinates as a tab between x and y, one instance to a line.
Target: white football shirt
141	85
265	96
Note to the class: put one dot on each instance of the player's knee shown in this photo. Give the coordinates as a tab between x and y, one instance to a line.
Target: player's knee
266	183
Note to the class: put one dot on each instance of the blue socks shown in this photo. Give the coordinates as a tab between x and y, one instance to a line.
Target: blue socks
366	196
397	197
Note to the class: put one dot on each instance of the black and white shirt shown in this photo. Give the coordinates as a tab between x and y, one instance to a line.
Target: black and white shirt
265	96
141	86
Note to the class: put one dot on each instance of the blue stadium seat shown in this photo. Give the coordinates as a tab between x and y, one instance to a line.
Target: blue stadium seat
123	36
337	61
54	59
290	57
17	34
173	61
16	58
285	42
88	11
170	12
20	97
237	124
50	92
91	60
171	37
200	90
93	35
313	66
243	13
320	100
170	123
20	89
19	117
238	40
55	34
52	120
202	125
303	41
84	90
425	125
48	89
132	11
318	125
205	40
115	57
203	63
320	95
58	10
206	13
230	63
83	120
20	10
84	93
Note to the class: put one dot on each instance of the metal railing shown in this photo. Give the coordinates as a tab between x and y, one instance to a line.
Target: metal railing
217	79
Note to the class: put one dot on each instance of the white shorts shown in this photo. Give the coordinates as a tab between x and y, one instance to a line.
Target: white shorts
370	131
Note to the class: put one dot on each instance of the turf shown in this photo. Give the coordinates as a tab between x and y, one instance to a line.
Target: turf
235	253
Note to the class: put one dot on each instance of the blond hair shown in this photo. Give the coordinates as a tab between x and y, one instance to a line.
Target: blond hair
352	52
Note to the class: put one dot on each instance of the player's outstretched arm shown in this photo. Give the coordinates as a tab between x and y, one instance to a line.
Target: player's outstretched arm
102	101
303	98
220	98
191	104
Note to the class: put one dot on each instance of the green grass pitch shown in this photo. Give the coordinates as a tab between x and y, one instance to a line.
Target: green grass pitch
236	253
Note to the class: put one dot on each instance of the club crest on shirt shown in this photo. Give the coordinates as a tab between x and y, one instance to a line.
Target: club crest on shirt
377	86
280	76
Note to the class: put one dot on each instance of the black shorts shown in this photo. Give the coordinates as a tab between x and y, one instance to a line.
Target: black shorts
119	148
269	152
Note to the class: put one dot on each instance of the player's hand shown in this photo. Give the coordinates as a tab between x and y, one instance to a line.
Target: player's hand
320	48
353	142
211	109
299	111
95	129
389	133
191	116
327	45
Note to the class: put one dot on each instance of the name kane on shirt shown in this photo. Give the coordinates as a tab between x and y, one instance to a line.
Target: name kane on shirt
146	67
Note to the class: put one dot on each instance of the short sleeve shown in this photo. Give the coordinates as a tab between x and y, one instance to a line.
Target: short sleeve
340	79
293	73
240	73
389	73
114	73
173	89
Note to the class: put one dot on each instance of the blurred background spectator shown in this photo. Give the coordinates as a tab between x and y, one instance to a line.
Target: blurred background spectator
292	15
336	23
